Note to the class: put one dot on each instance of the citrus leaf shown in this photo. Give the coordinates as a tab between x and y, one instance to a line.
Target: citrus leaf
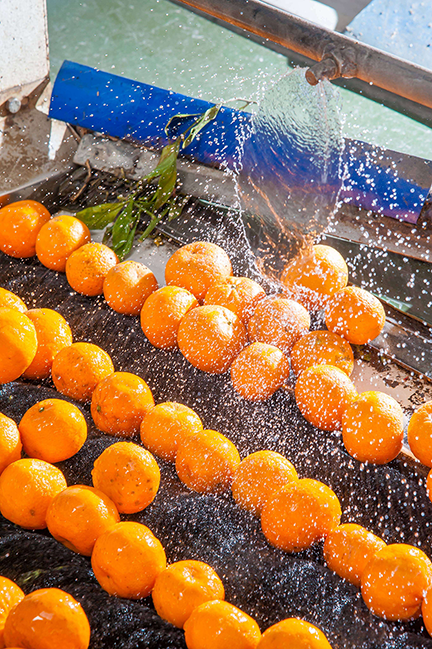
167	160
176	207
200	123
99	216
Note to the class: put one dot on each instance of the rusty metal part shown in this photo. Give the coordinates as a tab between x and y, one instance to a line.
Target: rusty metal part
373	66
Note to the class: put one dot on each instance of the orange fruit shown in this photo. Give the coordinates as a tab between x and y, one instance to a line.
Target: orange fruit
429	485
355	314
322	348
183	586
322	393
127	559
165	427
238	294
196	266
292	633
77	369
348	549
427	611
18	344
395	581
206	462
53	333
278	321
27	488
9	300
372	428
128	474
53	430
10	442
420	433
10	595
20	223
218	625
48	618
162	312
258	371
210	337
258	477
120	402
315	276
87	267
79	515
127	286
58	239
299	514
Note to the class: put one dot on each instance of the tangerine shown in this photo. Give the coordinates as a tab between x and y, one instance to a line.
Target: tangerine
258	477
53	430
9	300
20	223
210	337
372	428
128	474
420	433
196	266
127	286
10	595
165	427
429	485
348	549
395	581
48	618
87	267
127	560
206	462
315	276
293	634
322	348
58	238
79	515
427	611
183	586
53	334
299	514
162	313
120	402
259	371
238	294
322	393
355	314
27	488
278	321
18	344
10	442
216	624
78	368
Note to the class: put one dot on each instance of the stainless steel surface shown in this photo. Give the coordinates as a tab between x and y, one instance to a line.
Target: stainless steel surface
373	66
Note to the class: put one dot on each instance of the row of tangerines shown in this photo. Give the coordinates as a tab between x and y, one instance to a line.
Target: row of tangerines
213	339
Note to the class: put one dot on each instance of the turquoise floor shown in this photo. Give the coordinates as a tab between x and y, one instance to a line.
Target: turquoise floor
160	43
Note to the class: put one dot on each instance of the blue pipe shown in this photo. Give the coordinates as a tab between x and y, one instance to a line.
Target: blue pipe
131	110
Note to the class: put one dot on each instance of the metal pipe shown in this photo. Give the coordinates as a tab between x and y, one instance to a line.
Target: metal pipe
369	64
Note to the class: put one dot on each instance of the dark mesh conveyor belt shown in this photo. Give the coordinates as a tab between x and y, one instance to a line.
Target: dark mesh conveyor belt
265	582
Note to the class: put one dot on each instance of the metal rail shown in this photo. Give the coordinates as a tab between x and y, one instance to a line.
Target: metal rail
354	59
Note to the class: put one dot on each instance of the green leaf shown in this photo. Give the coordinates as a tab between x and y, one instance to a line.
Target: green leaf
98	217
179	117
166	184
167	160
123	230
199	124
176	207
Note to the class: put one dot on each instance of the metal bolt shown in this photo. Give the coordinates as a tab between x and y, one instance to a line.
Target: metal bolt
13	105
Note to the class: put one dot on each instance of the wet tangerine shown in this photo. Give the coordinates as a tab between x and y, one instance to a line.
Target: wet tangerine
120	402
322	348
259	371
127	286
18	344
128	474
53	334
58	238
218	624
183	586
10	595
196	266
20	224
165	427
53	430
87	267
127	560
238	294
294	634
355	314
9	300
162	312
278	321
10	442
78	368
420	433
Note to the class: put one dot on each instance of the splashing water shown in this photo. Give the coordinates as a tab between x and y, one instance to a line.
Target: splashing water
290	168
